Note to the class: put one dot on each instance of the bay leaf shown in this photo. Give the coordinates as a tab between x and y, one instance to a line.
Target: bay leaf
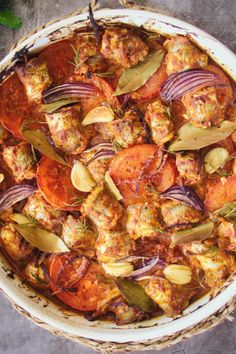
36	236
135	77
54	106
135	294
228	211
197	233
39	140
194	138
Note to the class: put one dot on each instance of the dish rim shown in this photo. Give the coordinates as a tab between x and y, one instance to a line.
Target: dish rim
179	324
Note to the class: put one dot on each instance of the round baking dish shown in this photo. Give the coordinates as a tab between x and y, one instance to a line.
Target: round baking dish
154	333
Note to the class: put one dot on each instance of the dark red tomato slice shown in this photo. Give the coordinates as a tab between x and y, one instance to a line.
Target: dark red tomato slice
134	168
167	176
89	290
14	105
59	57
221	193
54	181
152	87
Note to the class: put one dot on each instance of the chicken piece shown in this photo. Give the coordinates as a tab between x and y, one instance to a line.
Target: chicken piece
126	132
172	299
97	168
87	46
5	215
102	209
183	55
158	119
35	78
14	244
113	245
77	234
202	108
216	265
20	160
123	46
231	115
125	313
142	220
34	274
179	215
227	236
66	130
40	210
188	166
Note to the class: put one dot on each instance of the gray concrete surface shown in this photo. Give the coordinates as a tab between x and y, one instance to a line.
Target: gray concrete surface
218	17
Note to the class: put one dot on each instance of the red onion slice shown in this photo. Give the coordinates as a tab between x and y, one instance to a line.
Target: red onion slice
101	146
177	85
80	90
103	154
14	195
146	268
184	194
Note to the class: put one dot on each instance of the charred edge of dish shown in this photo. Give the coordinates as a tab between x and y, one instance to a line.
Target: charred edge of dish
18	58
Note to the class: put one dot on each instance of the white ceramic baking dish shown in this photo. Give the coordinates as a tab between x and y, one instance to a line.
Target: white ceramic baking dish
37	306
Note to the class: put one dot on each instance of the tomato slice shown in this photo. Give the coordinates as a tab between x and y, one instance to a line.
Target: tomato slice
89	291
54	181
152	87
221	193
59	57
167	176
134	168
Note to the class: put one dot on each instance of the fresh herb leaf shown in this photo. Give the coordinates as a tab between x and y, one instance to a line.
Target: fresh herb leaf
194	138
228	211
54	106
197	233
42	239
105	74
7	18
135	294
136	76
39	140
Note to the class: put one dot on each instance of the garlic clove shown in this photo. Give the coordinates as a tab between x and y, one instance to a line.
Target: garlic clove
81	177
112	187
118	269
100	114
178	274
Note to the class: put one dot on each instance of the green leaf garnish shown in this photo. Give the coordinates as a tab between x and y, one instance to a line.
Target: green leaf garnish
194	138
228	211
38	139
40	238
197	233
7	18
54	106
135	294
135	77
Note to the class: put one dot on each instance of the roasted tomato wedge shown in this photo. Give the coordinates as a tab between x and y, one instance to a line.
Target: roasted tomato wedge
87	293
54	182
221	193
167	175
135	168
152	87
59	58
15	108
